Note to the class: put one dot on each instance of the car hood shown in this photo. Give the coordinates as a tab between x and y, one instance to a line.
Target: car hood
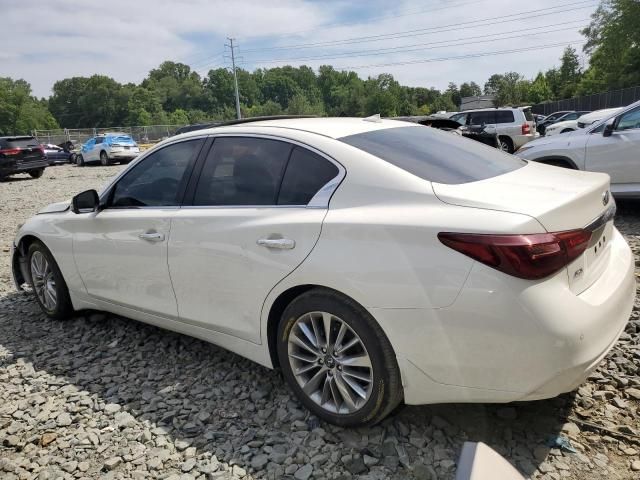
555	139
55	208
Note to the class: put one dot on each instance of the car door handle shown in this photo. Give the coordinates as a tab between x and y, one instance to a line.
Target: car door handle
279	243
152	236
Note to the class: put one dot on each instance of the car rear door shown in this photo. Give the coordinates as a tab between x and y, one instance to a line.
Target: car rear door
617	154
121	251
254	215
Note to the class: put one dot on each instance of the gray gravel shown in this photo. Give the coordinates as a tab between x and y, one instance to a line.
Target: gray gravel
101	396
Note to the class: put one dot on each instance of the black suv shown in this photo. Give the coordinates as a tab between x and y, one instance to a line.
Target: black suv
21	155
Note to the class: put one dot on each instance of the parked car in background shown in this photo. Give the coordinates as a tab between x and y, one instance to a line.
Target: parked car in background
611	146
514	126
372	261
108	148
559	125
538	118
58	154
549	119
566	126
21	154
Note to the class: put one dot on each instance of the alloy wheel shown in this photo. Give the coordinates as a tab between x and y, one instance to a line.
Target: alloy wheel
330	362
43	281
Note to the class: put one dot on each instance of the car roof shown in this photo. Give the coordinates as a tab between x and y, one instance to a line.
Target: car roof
333	127
494	109
17	137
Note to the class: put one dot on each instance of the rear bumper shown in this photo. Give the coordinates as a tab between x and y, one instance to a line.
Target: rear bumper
123	155
520	140
10	166
506	339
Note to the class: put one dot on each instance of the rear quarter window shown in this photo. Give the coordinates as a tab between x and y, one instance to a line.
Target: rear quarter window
506	116
434	155
21	142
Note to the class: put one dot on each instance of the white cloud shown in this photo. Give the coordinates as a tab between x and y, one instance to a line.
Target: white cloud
47	41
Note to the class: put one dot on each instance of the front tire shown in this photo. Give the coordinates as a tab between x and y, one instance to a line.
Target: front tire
104	159
80	161
337	359
37	173
47	282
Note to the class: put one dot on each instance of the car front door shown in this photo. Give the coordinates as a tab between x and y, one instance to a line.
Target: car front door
88	148
619	153
121	251
254	217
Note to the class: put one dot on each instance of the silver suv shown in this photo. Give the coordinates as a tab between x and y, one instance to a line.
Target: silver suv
514	126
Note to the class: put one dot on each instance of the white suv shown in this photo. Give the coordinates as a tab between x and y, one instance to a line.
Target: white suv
514	126
610	146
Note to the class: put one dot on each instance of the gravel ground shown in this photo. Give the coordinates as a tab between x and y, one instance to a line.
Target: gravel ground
105	397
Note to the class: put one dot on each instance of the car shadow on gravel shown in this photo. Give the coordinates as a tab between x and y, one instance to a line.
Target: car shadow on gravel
206	397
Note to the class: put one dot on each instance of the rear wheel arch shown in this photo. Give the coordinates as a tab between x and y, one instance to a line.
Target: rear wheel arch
282	302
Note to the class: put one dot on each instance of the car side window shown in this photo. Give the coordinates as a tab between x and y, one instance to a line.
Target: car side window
242	171
629	120
99	140
480	118
504	116
156	180
306	174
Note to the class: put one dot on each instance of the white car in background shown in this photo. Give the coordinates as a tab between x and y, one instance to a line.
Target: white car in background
581	122
372	261
611	146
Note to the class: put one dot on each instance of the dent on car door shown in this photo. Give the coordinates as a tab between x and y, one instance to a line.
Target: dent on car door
121	251
248	226
617	154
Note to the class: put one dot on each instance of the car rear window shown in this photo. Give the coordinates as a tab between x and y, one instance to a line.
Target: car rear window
21	142
122	138
435	155
527	114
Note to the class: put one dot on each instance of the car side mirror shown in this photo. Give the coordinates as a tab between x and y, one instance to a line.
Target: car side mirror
85	202
608	129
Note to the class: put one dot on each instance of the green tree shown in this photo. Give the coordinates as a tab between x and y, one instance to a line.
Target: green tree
178	117
20	112
470	89
613	41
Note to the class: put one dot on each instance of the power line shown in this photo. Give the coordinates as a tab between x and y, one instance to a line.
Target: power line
461	57
423	46
490	21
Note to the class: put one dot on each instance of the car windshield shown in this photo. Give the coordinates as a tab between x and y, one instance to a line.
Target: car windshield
122	139
434	155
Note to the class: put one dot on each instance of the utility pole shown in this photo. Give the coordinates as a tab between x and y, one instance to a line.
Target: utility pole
235	76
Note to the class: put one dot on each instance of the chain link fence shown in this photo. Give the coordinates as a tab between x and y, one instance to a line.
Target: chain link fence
597	101
77	136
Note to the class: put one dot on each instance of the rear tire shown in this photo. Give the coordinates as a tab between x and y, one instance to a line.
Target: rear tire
104	159
353	386
506	144
80	161
73	158
47	282
37	173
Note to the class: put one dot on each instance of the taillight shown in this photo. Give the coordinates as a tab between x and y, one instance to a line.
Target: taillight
530	256
10	151
526	128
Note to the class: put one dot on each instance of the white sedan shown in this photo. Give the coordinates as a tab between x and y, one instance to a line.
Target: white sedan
372	261
581	122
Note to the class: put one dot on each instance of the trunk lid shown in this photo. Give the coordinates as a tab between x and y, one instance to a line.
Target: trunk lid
560	199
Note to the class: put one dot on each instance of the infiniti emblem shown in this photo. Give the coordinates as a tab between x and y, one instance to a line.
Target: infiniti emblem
605	197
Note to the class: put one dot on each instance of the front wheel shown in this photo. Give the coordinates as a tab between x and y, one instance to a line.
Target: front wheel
37	173
337	359
47	282
72	158
80	161
104	158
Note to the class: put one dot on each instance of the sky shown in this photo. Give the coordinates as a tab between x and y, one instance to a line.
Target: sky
426	43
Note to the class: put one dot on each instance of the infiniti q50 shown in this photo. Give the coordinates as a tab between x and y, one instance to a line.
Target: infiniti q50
373	261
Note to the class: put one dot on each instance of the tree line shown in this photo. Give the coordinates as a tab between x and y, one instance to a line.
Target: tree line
175	94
